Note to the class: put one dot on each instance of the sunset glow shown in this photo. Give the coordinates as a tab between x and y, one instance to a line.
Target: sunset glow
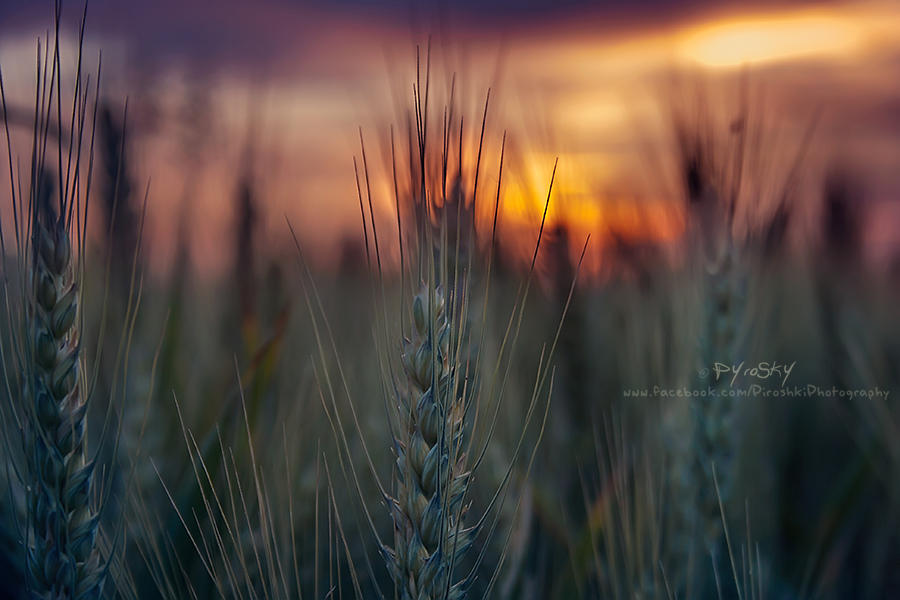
748	41
597	101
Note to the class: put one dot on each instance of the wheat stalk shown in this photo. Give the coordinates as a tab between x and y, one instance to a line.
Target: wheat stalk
48	398
431	475
714	432
712	183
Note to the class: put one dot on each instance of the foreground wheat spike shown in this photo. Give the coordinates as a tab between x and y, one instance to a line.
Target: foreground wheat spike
63	562
431	474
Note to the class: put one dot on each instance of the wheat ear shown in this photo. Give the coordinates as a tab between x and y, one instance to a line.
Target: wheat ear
431	475
62	558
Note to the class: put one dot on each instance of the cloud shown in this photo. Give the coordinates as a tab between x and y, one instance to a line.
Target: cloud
247	34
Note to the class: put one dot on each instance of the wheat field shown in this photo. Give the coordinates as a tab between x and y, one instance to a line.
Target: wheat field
469	377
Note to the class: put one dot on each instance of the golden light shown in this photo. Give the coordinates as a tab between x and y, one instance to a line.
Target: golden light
747	41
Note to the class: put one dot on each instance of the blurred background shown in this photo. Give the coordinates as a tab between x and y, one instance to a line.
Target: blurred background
734	165
274	92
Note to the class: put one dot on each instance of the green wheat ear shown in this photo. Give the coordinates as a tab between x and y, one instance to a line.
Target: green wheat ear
431	475
62	558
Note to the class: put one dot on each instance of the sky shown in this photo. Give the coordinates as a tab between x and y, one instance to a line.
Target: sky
278	90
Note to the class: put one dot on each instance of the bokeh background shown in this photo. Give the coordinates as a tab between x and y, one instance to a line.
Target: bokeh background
275	91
